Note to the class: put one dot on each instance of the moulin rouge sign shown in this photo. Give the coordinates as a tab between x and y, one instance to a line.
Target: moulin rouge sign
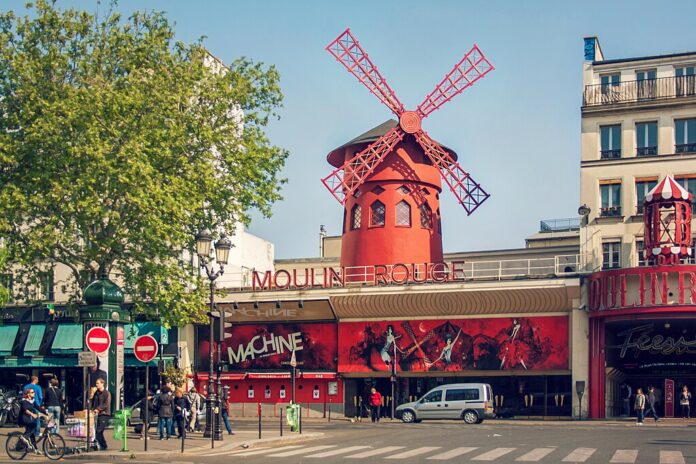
332	277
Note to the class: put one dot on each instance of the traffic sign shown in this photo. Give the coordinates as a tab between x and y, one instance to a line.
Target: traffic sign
98	339
145	348
87	359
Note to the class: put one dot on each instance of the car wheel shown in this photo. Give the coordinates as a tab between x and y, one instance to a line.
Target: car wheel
408	416
470	416
479	421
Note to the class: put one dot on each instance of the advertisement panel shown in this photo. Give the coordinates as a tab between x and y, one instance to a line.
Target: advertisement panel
269	346
453	345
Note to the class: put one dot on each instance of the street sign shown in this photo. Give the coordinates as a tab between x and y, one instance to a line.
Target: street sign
87	359
145	348
98	339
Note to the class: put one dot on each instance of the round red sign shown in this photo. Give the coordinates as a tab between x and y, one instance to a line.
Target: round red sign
98	339
145	348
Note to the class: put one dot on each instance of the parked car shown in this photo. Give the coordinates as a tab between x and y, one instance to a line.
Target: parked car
471	402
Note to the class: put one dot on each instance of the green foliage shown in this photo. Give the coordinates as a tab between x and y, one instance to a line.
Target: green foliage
175	375
4	292
117	144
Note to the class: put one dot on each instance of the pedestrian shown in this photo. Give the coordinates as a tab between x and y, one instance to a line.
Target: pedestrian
28	415
225	410
375	404
639	406
38	399
54	402
165	412
195	400
685	402
628	392
182	410
652	402
102	409
150	407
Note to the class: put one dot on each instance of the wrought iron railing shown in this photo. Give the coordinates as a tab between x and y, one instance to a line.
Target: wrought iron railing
685	148
610	154
643	90
610	211
646	151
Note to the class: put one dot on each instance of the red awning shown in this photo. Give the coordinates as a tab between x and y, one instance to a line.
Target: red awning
319	375
224	376
268	375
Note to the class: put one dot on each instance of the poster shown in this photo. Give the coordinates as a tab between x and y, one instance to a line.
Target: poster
454	345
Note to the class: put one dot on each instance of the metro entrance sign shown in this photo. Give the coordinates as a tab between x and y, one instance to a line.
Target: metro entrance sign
98	340
145	348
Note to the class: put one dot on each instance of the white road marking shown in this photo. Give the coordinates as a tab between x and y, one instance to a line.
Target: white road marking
452	453
493	454
579	455
233	451
671	457
625	456
375	452
254	452
535	455
301	451
326	454
413	452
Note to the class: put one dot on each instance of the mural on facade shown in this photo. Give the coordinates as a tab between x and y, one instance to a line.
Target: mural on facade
270	346
523	343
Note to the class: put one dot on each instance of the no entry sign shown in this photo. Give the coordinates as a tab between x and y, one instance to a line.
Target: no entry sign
145	348
98	339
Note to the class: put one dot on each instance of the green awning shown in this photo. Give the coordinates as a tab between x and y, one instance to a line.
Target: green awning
38	361
68	339
8	333
130	361
133	331
33	343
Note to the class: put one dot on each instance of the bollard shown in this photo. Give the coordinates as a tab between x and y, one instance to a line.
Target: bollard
281	424
183	435
300	418
258	410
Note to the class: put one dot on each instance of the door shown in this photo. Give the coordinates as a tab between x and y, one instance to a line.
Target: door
430	406
459	399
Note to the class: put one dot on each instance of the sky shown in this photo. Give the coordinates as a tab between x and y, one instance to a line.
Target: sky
517	131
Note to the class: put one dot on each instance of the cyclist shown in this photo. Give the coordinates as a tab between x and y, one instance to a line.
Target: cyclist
28	415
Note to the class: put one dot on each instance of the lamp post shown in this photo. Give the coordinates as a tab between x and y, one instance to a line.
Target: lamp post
204	241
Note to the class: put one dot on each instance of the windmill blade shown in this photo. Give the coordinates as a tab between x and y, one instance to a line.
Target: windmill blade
471	68
343	181
350	54
468	192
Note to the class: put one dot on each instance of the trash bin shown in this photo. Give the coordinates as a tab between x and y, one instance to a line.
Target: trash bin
120	422
292	413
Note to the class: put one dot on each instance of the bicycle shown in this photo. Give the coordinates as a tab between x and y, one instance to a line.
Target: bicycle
18	445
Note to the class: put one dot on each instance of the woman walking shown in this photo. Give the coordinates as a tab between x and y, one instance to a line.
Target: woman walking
375	404
685	402
54	402
182	408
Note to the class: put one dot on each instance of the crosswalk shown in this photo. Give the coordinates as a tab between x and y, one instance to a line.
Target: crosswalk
546	454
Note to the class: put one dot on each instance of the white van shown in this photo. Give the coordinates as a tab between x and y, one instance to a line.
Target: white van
469	401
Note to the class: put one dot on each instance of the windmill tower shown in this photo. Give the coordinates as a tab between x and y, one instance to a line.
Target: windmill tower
667	223
389	179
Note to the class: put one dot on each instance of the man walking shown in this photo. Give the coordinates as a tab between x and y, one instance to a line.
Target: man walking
195	400
375	404
102	409
639	406
652	401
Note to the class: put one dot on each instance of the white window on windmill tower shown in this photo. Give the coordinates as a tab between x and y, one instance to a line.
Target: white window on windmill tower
611	254
643	186
377	214
355	217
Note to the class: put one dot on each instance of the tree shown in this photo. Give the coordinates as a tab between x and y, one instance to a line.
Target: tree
118	143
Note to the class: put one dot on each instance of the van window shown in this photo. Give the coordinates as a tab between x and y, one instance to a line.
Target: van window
462	394
433	397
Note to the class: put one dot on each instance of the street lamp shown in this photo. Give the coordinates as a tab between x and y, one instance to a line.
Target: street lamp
204	240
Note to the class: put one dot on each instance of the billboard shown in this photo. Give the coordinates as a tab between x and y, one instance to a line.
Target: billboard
454	345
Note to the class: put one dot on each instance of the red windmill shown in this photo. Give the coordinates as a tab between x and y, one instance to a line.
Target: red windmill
400	167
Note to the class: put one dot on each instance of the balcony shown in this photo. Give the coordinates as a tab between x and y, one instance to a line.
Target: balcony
646	151
559	225
663	88
685	148
610	211
610	154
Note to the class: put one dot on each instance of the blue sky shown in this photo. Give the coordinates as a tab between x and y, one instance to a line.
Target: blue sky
517	131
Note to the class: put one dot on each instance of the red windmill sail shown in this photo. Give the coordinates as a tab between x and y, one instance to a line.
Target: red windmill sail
344	180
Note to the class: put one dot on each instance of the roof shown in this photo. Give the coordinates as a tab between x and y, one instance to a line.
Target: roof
335	156
667	189
643	58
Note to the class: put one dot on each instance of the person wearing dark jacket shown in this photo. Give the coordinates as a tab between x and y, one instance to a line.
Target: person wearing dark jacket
685	402
182	410
102	409
165	412
651	404
54	402
148	405
28	415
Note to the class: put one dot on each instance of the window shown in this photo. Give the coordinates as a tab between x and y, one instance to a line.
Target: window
377	190
642	189
611	255
462	394
46	284
7	282
646	138
355	217
639	252
403	190
610	87
433	397
611	199
426	216
610	141
689	183
377	214
685	135
685	80
646	83
403	214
